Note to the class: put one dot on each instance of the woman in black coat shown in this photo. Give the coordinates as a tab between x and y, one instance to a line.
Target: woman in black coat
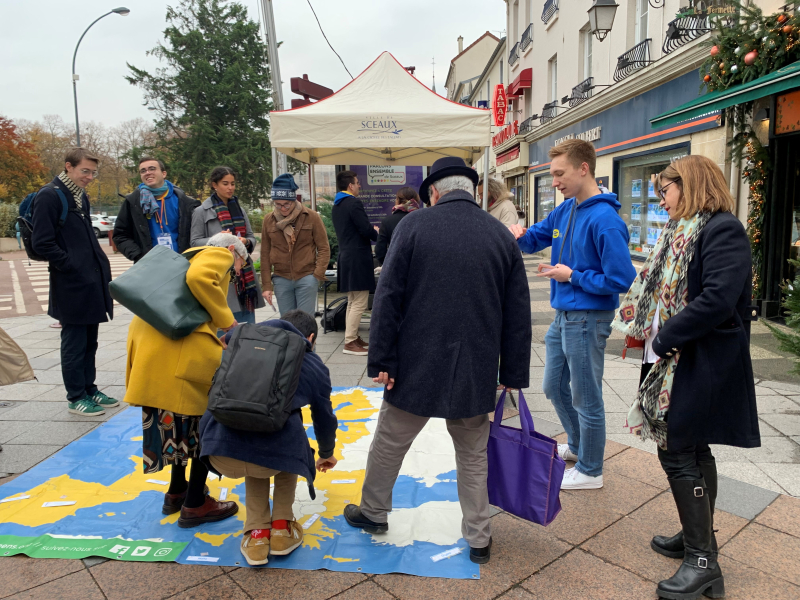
407	201
691	302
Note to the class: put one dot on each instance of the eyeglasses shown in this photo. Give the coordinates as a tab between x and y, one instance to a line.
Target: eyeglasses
86	172
148	170
283	205
663	190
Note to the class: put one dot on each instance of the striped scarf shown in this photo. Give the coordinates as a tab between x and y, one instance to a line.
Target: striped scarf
77	192
662	283
246	288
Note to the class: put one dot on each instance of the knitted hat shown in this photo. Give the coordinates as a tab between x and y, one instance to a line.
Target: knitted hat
284	188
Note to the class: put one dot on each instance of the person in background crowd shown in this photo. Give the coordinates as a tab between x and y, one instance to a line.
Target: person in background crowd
501	205
691	302
155	213
19	235
222	212
284	455
407	201
294	250
79	278
355	273
590	247
436	349
170	380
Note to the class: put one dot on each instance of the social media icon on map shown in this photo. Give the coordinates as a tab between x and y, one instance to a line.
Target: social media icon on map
119	549
141	551
162	552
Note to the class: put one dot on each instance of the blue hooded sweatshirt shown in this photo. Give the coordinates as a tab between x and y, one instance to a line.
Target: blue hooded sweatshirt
595	246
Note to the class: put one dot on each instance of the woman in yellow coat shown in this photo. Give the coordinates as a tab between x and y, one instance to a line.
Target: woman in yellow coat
170	380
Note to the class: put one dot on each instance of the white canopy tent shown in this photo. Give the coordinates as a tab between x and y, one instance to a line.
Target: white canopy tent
385	116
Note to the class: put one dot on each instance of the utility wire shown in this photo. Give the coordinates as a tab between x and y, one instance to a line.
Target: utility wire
326	39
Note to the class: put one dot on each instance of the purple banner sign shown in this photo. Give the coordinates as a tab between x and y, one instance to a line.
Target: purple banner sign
379	186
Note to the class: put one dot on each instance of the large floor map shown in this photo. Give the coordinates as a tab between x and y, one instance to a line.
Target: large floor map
92	499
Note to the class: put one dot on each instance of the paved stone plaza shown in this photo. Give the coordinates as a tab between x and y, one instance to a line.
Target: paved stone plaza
598	547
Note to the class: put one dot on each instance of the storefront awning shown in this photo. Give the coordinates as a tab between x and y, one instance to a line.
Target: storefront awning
782	79
523	81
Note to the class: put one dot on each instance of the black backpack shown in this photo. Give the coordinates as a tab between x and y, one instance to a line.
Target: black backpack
25	219
335	315
254	386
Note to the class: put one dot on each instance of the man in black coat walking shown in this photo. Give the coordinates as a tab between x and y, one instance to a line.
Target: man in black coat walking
79	278
355	273
452	299
156	212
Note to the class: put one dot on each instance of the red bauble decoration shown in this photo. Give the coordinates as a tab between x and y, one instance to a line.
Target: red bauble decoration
714	50
707	78
782	18
787	29
750	57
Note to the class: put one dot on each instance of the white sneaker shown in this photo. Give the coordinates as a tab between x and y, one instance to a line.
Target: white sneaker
575	480
566	454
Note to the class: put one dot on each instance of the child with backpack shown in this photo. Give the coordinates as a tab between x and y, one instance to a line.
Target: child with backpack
284	454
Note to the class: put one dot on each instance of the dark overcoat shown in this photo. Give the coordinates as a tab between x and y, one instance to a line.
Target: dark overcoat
452	300
388	226
79	269
354	267
132	231
713	395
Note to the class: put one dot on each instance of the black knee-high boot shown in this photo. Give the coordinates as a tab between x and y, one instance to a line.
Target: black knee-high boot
672	547
699	574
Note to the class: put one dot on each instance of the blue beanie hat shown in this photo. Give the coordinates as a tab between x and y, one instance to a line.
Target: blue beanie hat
284	188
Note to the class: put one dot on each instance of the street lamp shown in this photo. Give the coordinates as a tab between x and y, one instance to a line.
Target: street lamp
601	18
120	11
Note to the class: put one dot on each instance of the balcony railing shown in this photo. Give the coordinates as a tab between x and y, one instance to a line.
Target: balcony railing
527	125
550	8
513	56
683	30
549	112
581	92
634	59
527	38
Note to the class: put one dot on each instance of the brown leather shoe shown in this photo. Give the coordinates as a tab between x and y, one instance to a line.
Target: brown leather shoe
355	349
361	342
211	511
173	502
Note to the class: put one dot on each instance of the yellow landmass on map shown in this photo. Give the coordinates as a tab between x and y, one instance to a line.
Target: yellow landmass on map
342	560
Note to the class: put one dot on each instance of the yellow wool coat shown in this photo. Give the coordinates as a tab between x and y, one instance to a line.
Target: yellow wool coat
176	375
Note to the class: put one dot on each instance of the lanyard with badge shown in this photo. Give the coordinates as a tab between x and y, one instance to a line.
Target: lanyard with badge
164	238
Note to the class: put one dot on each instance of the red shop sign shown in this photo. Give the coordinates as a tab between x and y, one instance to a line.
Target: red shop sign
508	156
506	133
499	106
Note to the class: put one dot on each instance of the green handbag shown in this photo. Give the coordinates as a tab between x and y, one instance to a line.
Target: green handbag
155	290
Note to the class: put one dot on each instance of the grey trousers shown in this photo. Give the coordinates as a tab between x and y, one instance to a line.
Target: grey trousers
394	435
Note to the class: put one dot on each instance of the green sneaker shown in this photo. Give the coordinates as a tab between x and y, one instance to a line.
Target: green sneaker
102	400
86	407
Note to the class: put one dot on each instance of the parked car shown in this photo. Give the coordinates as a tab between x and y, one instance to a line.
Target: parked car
101	225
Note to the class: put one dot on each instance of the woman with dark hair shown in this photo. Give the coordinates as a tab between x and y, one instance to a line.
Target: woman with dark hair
690	308
222	212
407	201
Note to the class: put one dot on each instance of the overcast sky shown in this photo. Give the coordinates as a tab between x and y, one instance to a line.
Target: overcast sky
39	37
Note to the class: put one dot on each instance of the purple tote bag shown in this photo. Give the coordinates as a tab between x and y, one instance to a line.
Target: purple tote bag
525	470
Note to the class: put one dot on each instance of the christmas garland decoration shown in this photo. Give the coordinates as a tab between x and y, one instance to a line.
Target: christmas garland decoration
745	46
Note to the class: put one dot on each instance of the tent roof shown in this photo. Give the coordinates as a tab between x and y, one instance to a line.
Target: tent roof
383	117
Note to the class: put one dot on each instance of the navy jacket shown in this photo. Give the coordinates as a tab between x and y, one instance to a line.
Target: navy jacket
452	301
286	450
79	269
388	225
713	396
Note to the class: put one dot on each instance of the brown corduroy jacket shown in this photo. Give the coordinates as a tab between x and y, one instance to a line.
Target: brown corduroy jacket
310	253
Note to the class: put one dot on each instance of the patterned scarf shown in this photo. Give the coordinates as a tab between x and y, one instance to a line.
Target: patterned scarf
149	197
286	224
77	192
406	207
662	283
246	288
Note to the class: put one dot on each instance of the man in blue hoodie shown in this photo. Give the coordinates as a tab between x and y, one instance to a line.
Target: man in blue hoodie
591	266
284	455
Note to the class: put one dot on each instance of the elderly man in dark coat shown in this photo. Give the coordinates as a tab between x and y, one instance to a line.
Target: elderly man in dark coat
452	299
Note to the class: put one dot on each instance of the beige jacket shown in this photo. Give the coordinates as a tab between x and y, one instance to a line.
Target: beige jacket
505	212
14	365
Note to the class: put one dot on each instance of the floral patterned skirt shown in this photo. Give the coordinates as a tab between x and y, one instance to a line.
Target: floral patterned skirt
169	439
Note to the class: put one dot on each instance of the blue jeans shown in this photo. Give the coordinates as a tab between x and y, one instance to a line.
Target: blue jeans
573	381
300	293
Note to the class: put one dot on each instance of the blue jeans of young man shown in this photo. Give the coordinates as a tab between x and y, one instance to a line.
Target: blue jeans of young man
573	381
300	293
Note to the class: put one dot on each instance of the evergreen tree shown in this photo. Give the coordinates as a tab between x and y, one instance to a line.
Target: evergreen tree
213	99
790	341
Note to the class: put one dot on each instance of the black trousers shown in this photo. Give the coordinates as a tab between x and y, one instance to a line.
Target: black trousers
683	464
78	350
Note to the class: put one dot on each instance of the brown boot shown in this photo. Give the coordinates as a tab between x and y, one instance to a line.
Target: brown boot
355	349
210	512
173	502
361	342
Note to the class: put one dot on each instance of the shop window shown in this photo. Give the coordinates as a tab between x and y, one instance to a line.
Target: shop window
545	197
636	190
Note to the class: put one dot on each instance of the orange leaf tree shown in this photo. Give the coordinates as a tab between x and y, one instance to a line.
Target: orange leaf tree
21	171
